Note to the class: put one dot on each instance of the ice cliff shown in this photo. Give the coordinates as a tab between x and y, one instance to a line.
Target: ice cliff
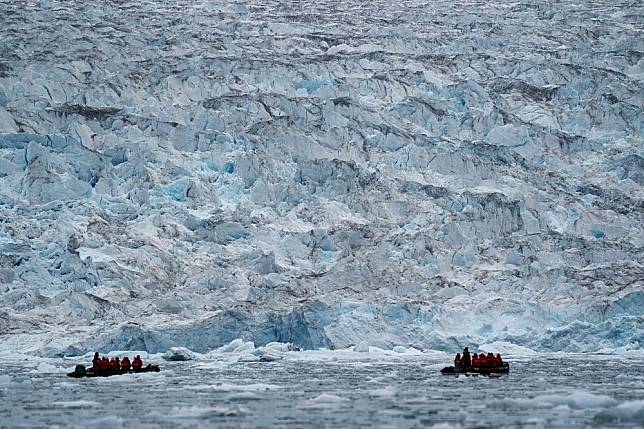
424	173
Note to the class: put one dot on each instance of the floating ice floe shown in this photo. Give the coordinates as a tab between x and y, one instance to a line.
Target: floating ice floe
76	404
626	412
578	400
327	398
362	347
178	354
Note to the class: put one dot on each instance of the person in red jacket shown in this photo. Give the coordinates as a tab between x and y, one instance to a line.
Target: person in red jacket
96	363
491	360
115	365
475	360
105	364
482	360
458	363
125	364
137	363
499	361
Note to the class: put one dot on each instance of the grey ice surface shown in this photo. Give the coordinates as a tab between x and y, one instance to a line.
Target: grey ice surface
543	392
427	173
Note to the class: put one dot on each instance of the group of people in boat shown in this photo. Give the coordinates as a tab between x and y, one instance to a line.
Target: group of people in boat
477	360
103	364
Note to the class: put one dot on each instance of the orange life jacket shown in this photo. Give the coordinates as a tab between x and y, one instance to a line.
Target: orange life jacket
137	363
114	366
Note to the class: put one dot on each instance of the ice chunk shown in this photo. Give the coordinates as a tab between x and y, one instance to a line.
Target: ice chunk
46	368
579	400
269	357
178	190
387	392
76	404
7	124
227	387
279	347
108	422
205	412
237	346
627	412
362	347
178	354
249	358
399	349
327	397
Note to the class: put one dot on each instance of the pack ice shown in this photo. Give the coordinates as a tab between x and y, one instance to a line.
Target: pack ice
426	174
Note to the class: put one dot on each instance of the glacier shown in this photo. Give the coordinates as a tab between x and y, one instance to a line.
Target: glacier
327	174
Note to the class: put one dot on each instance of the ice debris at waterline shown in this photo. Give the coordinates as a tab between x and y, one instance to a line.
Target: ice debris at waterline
178	354
341	388
427	175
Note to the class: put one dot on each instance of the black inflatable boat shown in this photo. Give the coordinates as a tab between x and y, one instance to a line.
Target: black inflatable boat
503	369
81	371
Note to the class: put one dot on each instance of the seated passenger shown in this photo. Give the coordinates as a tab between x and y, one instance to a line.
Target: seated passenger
105	364
113	365
475	360
125	364
482	360
137	363
458	364
491	361
499	361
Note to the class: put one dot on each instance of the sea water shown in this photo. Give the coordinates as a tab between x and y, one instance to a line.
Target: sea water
329	390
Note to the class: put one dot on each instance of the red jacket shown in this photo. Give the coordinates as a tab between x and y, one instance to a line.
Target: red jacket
125	364
114	365
137	363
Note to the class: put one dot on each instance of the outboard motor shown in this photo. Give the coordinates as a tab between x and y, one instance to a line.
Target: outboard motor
79	371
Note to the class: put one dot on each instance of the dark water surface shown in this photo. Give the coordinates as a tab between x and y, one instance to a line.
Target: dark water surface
408	392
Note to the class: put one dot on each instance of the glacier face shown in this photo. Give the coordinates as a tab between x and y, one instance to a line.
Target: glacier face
323	173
